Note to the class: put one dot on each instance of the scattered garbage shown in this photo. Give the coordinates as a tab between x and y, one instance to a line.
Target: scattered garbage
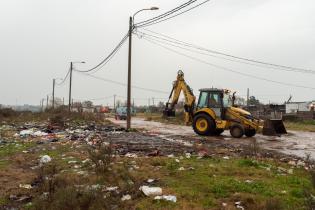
248	181
26	186
171	198
45	159
150	180
181	169
110	189
131	155
226	158
238	205
300	163
126	197
284	170
151	191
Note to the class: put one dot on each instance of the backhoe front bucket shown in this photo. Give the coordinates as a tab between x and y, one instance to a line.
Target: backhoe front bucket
273	127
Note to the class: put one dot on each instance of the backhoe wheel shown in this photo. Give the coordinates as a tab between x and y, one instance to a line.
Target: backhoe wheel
218	132
250	132
203	124
237	131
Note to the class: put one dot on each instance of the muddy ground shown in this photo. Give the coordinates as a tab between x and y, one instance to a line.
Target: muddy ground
297	143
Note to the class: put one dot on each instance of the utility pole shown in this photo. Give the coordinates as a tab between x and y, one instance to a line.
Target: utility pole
129	73
247	98
131	26
153	101
63	100
70	86
53	94
115	103
47	99
43	104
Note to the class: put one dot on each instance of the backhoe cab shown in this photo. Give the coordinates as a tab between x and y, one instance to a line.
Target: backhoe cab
216	112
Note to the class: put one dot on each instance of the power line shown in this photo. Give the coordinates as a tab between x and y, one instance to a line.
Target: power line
156	22
64	79
227	69
108	58
238	59
124	84
151	20
176	44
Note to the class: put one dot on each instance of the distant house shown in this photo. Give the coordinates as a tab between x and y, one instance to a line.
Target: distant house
88	109
294	107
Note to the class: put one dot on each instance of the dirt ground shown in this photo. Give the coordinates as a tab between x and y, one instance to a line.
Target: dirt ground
201	172
296	143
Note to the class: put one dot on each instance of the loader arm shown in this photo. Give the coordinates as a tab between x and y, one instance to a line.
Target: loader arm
181	86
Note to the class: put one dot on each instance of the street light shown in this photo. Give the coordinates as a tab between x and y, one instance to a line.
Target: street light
131	27
70	86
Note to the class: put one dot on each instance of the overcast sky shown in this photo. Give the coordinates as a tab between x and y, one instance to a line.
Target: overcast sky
39	38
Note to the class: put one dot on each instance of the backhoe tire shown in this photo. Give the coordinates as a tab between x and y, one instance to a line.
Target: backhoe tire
237	131
203	124
218	132
250	132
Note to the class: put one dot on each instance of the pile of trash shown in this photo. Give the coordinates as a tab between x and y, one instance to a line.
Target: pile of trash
93	134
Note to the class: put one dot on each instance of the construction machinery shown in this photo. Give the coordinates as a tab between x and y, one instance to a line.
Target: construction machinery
215	112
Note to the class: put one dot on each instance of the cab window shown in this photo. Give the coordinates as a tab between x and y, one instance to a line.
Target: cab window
214	100
203	100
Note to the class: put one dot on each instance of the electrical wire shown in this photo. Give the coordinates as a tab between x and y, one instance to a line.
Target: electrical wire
64	79
238	59
165	14
98	99
156	22
176	44
108	58
124	84
227	69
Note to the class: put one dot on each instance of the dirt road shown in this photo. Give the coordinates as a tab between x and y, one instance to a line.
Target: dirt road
294	143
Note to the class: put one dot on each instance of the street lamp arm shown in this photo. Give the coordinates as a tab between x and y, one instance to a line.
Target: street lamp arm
152	8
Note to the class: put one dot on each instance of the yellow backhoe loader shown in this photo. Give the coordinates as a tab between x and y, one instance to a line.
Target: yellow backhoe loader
216	112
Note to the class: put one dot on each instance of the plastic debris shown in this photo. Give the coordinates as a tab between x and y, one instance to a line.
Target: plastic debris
177	161
110	189
188	155
131	155
171	198
181	169
150	180
126	198
151	191
45	159
238	205
226	158
26	186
